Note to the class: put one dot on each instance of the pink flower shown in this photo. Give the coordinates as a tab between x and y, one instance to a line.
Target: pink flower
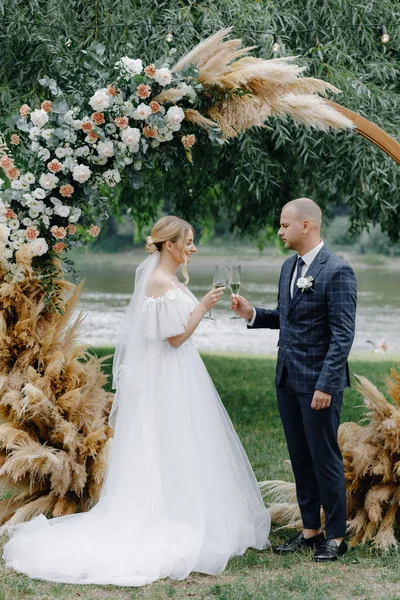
66	190
46	106
15	139
58	232
12	173
59	247
98	118
54	166
150	71
188	141
87	126
121	122
112	90
143	91
5	162
149	132
31	233
10	214
24	110
92	135
155	106
71	229
93	231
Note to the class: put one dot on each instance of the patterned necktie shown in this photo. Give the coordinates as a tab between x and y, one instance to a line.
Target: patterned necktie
300	263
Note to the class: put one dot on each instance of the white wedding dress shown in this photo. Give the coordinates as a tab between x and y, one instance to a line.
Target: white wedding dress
179	493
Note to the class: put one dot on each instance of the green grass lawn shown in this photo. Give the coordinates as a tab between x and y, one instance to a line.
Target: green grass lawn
246	386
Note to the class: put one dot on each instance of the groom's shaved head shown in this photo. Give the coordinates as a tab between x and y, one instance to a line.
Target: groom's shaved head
306	209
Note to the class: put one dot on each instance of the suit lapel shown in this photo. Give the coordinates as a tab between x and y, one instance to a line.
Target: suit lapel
286	279
314	269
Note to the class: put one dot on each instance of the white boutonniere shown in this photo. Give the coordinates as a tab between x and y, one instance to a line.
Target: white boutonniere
304	283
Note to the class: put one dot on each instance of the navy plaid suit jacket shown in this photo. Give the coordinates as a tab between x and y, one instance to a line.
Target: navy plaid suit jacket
316	326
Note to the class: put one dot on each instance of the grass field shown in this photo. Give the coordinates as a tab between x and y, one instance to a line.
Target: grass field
247	390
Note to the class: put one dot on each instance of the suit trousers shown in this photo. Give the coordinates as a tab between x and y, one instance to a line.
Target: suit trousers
311	437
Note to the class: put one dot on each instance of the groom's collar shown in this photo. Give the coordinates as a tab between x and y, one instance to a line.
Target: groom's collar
309	257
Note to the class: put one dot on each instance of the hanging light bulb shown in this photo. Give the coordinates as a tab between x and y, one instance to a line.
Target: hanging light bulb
169	37
275	46
385	37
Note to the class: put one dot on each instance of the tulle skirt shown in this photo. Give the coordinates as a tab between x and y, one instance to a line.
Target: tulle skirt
179	493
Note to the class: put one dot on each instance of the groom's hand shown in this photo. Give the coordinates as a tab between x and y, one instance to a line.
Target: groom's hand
320	400
242	307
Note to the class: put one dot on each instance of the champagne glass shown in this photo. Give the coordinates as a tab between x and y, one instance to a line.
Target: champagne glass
234	280
219	280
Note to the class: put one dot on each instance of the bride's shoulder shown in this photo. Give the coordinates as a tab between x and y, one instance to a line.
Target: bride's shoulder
159	284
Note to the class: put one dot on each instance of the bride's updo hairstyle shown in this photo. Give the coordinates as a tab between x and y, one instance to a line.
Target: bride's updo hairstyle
169	229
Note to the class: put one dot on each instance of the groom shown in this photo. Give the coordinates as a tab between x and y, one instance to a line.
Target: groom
316	317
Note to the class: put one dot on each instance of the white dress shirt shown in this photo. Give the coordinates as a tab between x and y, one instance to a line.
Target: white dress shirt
308	259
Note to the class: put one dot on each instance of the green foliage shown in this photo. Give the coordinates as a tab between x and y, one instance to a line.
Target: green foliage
247	181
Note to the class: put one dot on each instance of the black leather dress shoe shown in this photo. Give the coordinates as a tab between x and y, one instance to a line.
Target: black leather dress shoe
299	542
329	550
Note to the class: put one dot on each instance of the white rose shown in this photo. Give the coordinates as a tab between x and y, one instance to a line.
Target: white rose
45	220
39	117
111	128
163	76
55	201
39	247
100	161
61	210
13	224
43	154
142	111
81	173
112	177
39	193
7	252
33	213
69	164
100	100
175	115
60	152
131	136
137	165
16	184
26	222
69	151
46	133
34	132
105	149
4	232
48	181
74	216
130	66
69	117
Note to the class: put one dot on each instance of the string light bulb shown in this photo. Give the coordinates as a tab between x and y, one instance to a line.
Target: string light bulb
385	37
169	37
275	46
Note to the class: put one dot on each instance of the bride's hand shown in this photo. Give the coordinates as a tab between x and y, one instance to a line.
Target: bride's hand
212	298
242	307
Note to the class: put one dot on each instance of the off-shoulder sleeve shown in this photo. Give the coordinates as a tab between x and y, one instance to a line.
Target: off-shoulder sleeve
167	315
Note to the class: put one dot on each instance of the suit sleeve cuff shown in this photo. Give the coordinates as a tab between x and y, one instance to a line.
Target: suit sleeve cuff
251	322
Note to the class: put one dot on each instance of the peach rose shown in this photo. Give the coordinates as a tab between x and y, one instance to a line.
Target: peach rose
31	233
24	110
66	190
121	122
112	90
155	106
15	139
149	132
54	166
87	126
6	162
143	91
188	141
10	214
46	106
59	247
58	232
12	173
71	229
93	231
150	71
98	118
92	135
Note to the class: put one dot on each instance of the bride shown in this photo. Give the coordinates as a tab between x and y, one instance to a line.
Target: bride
179	493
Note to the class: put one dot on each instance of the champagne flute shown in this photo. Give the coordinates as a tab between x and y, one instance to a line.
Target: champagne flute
219	280
235	279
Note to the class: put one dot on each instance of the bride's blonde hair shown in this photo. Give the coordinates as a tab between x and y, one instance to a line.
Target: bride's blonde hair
169	229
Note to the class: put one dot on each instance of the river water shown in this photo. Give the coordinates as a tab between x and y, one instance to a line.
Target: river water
109	283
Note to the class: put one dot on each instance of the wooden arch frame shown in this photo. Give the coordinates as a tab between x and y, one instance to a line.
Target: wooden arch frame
371	132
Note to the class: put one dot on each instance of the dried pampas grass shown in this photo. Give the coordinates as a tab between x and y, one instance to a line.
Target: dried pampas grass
54	435
371	456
